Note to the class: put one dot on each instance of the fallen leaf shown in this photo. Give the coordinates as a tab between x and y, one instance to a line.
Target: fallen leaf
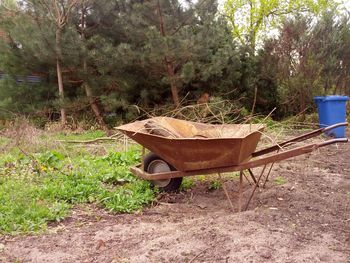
100	243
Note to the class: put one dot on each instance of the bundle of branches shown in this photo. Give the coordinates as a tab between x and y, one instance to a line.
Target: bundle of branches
217	111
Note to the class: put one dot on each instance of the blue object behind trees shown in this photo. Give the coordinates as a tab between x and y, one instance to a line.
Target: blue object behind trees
332	110
20	79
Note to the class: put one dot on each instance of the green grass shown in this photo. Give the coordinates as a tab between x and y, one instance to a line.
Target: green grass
4	141
86	135
280	180
42	180
214	185
43	185
187	183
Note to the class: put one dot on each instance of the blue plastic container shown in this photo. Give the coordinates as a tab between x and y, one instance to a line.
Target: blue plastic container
332	110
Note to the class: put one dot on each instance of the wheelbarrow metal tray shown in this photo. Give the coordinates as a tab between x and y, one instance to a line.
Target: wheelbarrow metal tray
196	146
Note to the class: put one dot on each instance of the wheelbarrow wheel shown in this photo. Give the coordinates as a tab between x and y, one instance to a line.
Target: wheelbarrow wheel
154	164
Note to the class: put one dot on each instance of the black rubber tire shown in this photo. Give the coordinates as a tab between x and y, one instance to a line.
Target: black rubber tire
174	183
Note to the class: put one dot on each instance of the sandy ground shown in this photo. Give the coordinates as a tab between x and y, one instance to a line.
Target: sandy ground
307	219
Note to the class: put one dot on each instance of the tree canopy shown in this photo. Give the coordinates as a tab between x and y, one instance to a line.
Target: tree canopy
116	56
249	19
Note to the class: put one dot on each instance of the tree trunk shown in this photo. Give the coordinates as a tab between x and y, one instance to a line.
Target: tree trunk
171	74
88	91
59	77
168	62
95	107
92	101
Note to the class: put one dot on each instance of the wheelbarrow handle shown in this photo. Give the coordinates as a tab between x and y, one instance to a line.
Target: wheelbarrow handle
298	139
280	156
332	141
334	126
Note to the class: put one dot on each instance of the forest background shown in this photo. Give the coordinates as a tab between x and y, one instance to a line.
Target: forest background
110	61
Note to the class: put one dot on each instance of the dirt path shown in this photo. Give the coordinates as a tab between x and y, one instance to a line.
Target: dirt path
307	219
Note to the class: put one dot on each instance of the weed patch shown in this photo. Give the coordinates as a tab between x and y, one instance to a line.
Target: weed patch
128	198
39	187
87	135
187	183
214	185
279	180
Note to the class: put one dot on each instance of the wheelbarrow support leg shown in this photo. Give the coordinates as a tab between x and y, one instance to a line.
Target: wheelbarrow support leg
226	193
255	186
143	158
240	191
253	177
267	176
245	176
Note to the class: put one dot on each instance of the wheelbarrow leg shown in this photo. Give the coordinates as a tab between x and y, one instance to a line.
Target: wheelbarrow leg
226	192
143	158
253	177
240	191
245	176
255	186
267	176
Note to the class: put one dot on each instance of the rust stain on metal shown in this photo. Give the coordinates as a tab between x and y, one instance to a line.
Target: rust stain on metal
192	146
197	148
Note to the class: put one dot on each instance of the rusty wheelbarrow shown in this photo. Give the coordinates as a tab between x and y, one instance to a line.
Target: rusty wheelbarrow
181	148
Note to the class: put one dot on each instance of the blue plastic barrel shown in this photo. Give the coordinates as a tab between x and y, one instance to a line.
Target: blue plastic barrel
332	110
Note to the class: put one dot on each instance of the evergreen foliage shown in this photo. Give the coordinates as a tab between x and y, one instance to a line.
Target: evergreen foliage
118	54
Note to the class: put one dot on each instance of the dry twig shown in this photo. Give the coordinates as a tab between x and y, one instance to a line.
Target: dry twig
110	138
196	256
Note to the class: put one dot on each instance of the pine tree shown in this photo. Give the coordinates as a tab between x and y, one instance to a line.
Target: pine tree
57	13
181	45
41	39
84	7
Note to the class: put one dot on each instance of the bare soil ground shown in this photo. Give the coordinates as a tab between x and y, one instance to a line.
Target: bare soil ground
306	219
